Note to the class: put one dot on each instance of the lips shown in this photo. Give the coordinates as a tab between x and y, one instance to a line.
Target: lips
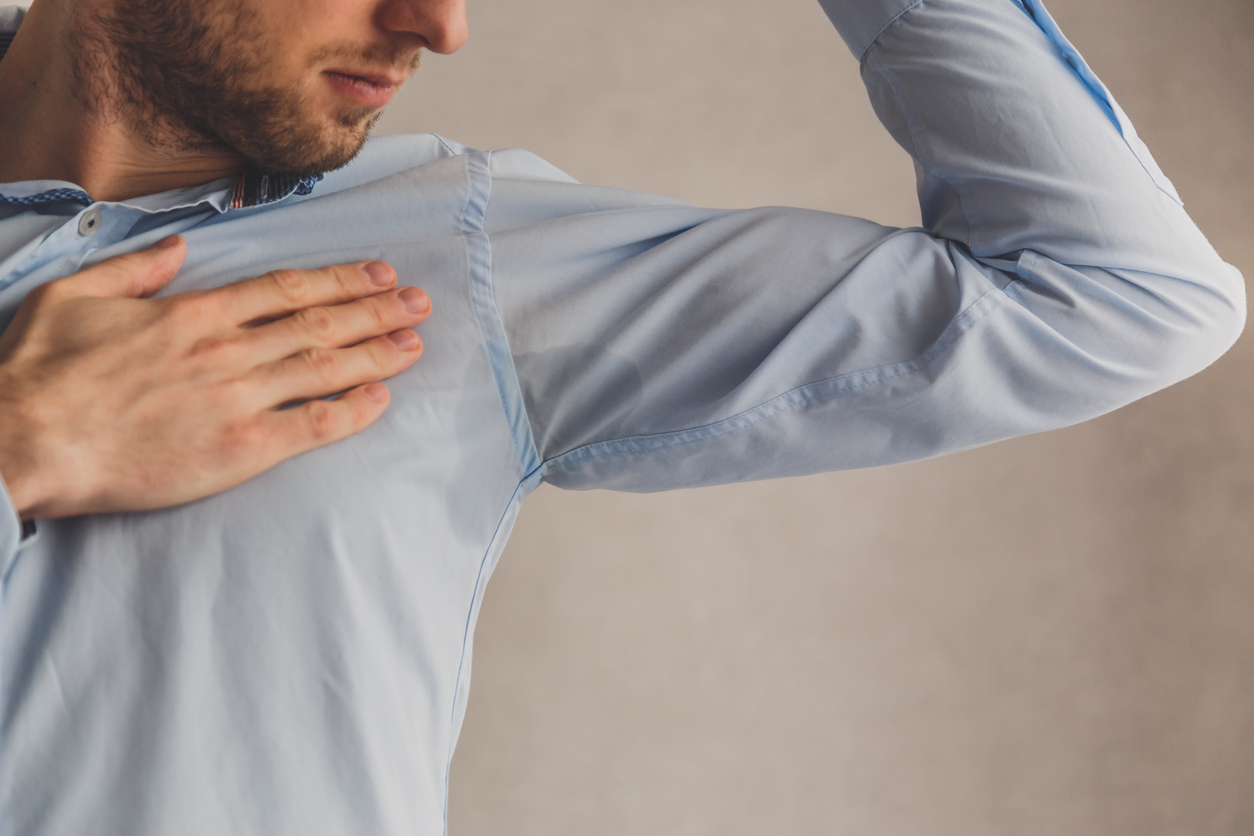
365	90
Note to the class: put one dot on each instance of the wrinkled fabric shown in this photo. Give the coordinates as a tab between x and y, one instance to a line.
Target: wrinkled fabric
292	656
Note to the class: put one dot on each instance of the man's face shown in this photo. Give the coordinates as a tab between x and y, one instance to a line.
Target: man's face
289	85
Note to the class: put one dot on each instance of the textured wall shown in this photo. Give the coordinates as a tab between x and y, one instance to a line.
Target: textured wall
1053	635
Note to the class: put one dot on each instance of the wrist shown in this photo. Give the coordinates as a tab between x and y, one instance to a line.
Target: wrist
23	478
20	478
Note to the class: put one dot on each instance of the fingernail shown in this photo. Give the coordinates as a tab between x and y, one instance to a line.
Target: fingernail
377	392
380	274
167	242
404	340
414	300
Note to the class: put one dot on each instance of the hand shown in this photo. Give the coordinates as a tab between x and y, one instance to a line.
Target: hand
112	401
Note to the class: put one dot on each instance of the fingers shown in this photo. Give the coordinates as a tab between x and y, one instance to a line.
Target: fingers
340	325
136	274
319	372
281	292
319	423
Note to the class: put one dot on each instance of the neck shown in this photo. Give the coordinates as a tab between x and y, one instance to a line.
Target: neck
65	121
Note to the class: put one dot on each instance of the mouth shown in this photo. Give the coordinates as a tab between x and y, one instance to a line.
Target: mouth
368	90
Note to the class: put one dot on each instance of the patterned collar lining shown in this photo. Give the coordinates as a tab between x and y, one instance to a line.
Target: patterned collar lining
254	188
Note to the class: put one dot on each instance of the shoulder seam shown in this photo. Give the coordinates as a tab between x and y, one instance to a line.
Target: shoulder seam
478	168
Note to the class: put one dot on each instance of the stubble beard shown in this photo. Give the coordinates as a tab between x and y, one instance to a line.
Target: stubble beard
188	76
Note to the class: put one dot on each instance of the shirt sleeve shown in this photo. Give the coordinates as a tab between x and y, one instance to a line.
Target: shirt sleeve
1055	277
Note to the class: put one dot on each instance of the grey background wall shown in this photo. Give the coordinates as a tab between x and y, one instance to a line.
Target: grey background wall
1053	635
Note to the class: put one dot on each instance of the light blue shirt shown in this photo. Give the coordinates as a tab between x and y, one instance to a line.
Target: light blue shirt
292	656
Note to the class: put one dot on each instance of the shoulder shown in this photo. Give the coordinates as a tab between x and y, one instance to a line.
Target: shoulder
386	156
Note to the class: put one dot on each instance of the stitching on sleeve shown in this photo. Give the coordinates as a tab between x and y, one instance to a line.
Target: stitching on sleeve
802	396
487	315
887	26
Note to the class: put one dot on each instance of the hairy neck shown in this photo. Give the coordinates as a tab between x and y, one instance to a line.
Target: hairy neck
69	112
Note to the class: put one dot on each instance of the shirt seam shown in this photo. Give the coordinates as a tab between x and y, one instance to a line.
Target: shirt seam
871	44
444	143
821	391
487	314
524	487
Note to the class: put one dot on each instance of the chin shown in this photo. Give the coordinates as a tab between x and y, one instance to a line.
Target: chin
319	148
346	140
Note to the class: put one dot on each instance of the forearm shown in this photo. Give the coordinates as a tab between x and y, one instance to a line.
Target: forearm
1020	149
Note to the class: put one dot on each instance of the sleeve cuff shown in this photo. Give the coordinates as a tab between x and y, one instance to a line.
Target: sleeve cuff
860	22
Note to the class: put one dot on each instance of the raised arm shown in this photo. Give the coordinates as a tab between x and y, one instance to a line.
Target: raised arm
1056	278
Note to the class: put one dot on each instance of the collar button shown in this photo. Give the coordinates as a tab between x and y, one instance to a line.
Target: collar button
90	221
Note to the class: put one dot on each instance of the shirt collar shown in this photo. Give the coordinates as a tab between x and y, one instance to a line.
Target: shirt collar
256	188
253	188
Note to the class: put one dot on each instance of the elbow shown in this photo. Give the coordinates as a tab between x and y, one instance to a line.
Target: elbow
1226	317
1131	333
1210	318
1234	319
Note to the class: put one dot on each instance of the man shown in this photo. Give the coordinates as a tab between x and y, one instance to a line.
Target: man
292	655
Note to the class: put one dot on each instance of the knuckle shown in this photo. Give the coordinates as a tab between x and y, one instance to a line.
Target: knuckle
293	285
363	414
321	419
317	323
324	363
242	436
380	315
211	347
382	354
348	277
236	394
189	309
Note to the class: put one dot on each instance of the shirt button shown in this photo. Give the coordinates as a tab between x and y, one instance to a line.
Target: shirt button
90	221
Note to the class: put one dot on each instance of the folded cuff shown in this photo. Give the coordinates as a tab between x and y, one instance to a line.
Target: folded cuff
860	22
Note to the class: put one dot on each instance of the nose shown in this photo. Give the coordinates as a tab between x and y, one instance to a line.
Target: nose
440	23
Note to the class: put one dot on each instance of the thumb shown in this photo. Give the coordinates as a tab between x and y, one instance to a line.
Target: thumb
138	274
